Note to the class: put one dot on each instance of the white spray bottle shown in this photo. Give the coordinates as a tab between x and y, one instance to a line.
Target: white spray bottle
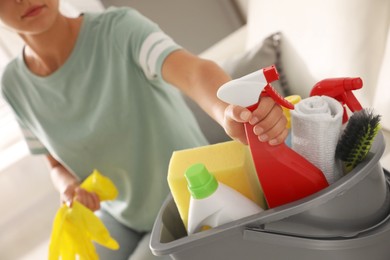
212	203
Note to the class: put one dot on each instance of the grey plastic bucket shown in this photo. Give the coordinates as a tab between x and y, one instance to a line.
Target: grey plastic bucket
348	220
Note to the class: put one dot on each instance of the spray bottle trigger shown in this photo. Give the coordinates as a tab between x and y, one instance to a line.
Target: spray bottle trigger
351	101
271	92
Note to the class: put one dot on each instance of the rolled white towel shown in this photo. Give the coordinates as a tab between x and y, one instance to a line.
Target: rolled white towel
316	125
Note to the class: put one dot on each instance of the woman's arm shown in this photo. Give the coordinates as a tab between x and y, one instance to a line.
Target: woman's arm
200	80
69	187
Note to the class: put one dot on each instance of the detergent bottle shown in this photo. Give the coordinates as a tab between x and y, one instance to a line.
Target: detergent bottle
212	203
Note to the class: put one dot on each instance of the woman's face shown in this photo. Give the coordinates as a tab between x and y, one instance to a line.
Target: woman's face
29	16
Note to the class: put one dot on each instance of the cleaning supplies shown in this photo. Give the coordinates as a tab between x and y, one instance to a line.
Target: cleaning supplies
285	176
293	99
231	164
341	90
74	228
316	127
213	203
357	138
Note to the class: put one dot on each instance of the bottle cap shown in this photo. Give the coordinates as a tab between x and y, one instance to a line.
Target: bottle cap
201	183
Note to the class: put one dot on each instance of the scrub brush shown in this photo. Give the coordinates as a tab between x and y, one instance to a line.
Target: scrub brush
357	138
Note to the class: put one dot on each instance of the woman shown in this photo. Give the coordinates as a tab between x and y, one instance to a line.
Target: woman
103	91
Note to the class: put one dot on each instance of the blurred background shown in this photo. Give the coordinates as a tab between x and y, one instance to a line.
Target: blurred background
28	201
331	44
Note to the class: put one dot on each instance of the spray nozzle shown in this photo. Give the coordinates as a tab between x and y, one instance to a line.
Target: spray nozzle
341	90
247	90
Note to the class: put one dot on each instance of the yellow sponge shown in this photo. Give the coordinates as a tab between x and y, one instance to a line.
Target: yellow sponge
230	162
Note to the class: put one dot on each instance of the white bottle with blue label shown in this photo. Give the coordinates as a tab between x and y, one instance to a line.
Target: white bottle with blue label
213	203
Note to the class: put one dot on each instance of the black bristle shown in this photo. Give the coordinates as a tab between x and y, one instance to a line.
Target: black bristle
357	138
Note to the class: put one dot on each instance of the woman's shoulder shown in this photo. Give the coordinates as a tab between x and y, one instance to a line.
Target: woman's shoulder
115	14
9	72
119	22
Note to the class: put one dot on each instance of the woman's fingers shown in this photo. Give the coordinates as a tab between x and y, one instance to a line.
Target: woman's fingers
235	116
88	199
279	137
269	122
68	194
262	111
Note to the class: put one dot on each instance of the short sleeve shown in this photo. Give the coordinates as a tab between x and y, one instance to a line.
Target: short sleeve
33	143
154	50
143	41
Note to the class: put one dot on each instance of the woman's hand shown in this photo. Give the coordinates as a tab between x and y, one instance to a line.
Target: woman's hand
268	120
69	188
75	192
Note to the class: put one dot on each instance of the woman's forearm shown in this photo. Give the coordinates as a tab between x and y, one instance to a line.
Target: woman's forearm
197	78
63	181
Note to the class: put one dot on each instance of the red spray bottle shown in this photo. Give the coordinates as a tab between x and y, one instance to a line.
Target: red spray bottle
284	175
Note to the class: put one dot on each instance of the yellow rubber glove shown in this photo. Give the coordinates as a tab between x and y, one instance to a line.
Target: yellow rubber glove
75	228
101	185
68	239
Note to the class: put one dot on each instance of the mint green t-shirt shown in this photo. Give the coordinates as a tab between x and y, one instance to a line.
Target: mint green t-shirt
108	108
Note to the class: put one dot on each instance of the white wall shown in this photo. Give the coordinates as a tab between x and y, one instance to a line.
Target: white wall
243	5
194	24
